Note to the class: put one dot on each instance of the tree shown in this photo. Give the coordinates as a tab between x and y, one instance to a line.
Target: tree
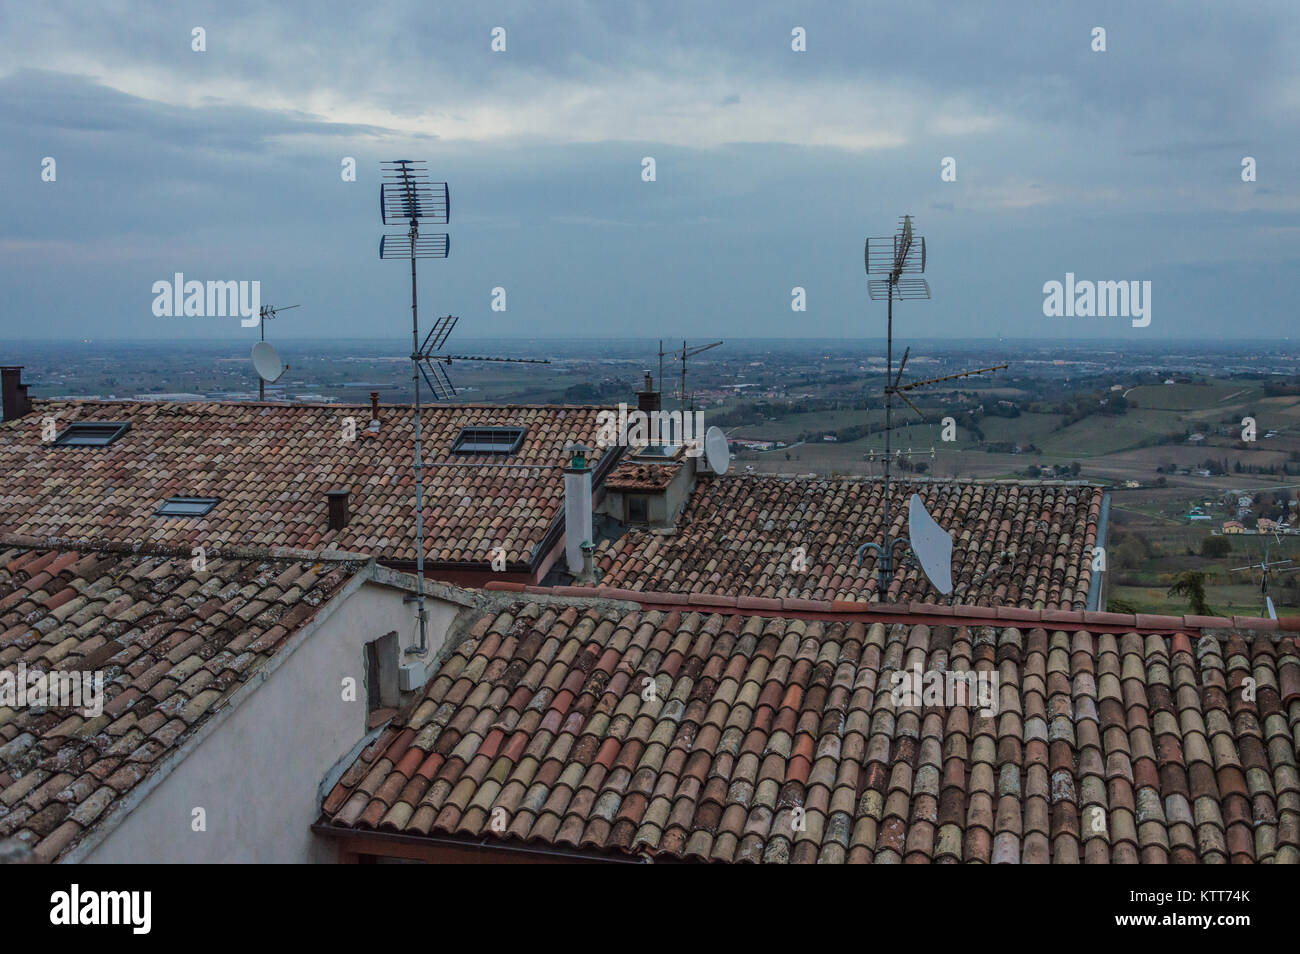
1190	585
1215	547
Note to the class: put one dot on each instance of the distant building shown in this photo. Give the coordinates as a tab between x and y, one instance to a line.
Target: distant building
1195	438
1232	526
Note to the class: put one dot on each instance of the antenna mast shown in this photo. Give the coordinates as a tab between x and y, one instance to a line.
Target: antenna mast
265	312
406	193
896	256
681	355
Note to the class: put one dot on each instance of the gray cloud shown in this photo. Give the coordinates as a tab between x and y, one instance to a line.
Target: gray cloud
772	165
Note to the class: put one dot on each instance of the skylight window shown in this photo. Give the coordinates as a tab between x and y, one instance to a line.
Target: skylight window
91	433
185	506
489	440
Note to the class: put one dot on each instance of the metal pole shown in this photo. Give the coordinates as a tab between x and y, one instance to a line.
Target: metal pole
261	382
419	453
683	384
885	571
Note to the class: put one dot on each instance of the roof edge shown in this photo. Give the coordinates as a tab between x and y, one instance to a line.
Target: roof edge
941	614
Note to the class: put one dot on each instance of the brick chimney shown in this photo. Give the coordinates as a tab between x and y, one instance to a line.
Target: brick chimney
16	402
374	405
649	399
338	508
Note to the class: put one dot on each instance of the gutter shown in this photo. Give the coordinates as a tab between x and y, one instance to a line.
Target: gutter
321	827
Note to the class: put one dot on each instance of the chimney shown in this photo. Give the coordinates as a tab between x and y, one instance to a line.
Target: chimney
648	400
16	402
577	507
374	405
588	574
338	508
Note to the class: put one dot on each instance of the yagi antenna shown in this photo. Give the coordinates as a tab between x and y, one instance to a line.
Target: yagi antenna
407	195
681	355
896	257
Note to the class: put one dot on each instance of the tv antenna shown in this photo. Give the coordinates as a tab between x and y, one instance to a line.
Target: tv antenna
407	195
896	256
266	361
681	355
432	359
1267	567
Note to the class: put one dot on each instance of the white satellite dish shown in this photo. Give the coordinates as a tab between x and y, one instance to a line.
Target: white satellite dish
267	362
931	544
716	451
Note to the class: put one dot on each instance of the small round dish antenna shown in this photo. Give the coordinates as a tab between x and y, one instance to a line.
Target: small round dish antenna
931	544
266	361
715	450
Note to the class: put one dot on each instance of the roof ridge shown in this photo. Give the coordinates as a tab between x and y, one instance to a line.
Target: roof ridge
1003	615
314	404
147	548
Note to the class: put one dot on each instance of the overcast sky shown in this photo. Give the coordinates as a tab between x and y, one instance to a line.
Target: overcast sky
771	165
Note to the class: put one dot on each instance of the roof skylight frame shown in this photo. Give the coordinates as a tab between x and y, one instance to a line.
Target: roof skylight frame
91	433
493	441
186	506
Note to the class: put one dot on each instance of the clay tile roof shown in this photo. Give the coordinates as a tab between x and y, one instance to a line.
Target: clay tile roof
271	466
634	476
1014	544
172	644
777	740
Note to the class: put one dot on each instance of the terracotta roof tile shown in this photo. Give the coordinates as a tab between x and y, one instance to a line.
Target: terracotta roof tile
1015	544
271	465
68	769
777	739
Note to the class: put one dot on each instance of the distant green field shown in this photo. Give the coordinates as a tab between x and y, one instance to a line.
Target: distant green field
1103	435
1025	429
1189	397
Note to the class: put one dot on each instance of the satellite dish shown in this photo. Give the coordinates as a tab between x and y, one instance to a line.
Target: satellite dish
931	544
716	451
267	362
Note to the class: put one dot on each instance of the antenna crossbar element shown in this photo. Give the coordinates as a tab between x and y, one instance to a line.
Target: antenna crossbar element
947	377
406	193
432	359
904	289
439	333
437	379
409	245
270	311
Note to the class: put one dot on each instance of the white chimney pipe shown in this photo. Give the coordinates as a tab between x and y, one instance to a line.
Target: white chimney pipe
577	507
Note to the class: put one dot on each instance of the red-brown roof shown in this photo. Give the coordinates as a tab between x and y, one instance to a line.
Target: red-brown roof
1020	544
634	476
776	739
173	645
272	464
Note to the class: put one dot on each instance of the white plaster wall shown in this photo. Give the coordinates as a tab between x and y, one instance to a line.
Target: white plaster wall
258	774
